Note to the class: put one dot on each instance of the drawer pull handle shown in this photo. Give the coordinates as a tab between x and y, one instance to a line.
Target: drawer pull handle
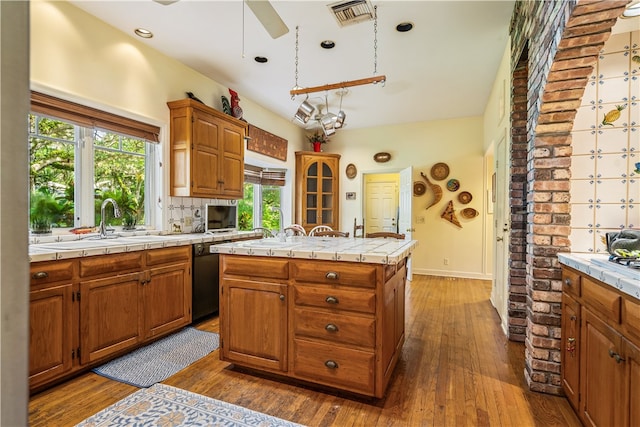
331	300
40	275
331	364
616	356
331	327
281	297
567	282
573	317
331	275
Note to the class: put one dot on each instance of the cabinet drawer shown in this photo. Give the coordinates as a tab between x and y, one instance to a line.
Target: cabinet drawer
571	282
167	255
631	316
334	366
335	273
340	298
335	327
48	272
603	300
254	266
104	264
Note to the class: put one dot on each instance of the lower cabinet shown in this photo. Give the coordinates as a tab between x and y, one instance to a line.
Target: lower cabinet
337	324
87	310
600	353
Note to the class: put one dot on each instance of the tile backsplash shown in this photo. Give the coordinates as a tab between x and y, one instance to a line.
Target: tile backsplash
186	214
605	183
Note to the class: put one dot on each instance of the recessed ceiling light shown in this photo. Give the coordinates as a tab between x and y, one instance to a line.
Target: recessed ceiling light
403	27
141	32
633	9
260	59
328	44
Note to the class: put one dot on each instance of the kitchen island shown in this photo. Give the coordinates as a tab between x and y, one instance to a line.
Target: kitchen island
321	310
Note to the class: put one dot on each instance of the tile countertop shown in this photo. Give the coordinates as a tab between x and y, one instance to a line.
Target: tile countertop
599	267
373	251
51	248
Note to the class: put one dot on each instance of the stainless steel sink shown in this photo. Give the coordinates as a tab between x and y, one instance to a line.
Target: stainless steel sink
75	245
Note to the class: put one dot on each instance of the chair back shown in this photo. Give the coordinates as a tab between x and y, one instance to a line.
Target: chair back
265	232
386	234
318	228
295	230
357	227
332	233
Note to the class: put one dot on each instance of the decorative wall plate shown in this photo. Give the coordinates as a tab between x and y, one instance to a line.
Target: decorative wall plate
382	157
453	185
439	171
469	213
351	171
419	188
465	197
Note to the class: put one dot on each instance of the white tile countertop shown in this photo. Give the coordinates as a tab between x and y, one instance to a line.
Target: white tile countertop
599	267
373	251
51	248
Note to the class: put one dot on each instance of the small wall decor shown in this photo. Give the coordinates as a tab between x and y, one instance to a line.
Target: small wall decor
465	197
450	214
437	191
453	185
439	171
351	195
419	188
266	143
469	213
382	157
351	171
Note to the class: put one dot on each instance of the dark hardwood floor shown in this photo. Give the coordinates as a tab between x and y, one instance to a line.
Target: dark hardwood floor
457	369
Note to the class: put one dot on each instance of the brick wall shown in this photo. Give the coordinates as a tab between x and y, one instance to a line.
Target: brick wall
561	41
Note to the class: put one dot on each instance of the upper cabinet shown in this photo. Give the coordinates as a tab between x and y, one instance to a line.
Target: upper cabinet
207	151
317	185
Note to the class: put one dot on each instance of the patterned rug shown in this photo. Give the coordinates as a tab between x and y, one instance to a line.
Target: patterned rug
158	361
163	405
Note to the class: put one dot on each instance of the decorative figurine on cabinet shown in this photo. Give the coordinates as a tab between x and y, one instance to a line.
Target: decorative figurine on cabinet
236	109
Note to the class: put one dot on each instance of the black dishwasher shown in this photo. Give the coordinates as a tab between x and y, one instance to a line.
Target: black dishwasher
206	282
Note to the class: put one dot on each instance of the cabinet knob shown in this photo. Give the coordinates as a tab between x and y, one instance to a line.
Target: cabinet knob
616	356
332	275
281	297
573	317
331	300
567	282
331	327
40	275
332	364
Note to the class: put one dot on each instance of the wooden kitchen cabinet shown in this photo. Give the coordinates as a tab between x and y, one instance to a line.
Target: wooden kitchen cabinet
206	152
606	354
317	186
52	307
338	324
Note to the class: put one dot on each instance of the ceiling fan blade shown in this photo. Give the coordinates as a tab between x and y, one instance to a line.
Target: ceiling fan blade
268	16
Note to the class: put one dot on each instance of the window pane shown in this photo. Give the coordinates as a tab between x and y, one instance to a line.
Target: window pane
106	139
245	209
51	174
270	199
133	145
121	177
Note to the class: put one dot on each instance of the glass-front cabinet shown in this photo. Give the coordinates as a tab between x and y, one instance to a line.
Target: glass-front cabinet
317	185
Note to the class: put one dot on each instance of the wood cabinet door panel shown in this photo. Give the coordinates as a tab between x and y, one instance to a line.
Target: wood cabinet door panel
110	264
601	299
335	298
570	348
168	255
346	368
50	271
255	325
632	353
336	273
167	299
335	327
240	265
110	316
571	282
602	378
631	316
50	333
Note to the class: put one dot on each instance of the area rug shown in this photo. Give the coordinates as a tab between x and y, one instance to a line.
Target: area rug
163	405
159	360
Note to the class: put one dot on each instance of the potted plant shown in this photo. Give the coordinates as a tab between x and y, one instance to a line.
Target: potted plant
316	139
43	212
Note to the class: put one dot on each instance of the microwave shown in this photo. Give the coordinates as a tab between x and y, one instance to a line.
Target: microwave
220	218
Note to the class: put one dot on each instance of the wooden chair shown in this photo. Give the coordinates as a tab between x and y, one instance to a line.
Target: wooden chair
357	227
386	234
332	233
265	232
295	230
317	228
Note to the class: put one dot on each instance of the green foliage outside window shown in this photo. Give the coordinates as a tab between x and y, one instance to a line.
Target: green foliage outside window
246	208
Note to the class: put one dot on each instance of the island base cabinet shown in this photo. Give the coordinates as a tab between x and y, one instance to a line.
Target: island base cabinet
570	345
51	338
633	365
253	322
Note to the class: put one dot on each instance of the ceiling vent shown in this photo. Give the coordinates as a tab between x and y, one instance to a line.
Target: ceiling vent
352	12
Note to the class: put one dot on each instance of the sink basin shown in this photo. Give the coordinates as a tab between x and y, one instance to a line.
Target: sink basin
75	245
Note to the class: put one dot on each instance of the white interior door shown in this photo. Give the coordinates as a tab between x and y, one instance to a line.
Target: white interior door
500	291
405	208
381	206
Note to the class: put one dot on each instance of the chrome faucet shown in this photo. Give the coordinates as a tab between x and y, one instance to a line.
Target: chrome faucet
281	234
116	214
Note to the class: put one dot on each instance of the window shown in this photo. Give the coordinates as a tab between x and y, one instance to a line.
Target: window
74	168
262	192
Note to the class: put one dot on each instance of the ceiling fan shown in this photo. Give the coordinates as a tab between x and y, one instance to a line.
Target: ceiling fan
263	10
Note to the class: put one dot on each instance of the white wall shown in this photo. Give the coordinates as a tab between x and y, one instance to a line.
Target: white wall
80	58
457	142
